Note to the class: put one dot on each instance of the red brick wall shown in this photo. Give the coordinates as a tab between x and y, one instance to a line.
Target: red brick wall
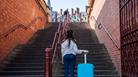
12	14
106	12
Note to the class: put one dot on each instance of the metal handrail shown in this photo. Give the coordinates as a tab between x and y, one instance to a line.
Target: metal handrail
12	30
52	52
19	26
61	32
55	37
54	46
49	55
108	33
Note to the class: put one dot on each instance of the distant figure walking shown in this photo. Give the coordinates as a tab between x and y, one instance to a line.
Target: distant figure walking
66	12
64	15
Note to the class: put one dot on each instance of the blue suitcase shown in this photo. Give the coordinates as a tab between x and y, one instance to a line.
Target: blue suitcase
85	69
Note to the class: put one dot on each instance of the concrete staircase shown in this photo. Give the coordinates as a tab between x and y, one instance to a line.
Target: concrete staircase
98	55
29	60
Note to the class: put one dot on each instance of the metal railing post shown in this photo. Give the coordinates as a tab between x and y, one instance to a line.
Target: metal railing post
48	66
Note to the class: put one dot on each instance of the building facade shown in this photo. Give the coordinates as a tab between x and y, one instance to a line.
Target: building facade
78	16
83	17
54	16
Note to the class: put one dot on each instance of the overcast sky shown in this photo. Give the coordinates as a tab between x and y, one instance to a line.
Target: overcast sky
64	4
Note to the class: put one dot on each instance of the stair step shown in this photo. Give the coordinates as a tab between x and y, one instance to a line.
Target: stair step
27	61
17	57
93	60
27	56
24	76
97	53
96	72
95	56
31	63
41	54
24	68
95	67
30	59
94	75
80	59
95	49
31	50
32	72
25	64
97	63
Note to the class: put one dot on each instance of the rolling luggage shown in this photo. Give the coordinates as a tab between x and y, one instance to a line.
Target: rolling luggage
85	69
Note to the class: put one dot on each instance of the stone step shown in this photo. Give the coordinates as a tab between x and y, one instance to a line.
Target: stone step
95	63
39	54
24	76
24	68
94	75
32	72
96	67
27	61
95	56
25	64
96	72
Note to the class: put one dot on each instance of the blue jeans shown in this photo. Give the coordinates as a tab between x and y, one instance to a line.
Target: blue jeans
69	64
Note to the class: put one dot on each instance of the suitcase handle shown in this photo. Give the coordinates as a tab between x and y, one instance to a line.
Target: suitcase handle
85	56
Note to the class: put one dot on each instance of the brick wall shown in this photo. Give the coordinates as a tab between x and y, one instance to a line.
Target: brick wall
106	12
20	18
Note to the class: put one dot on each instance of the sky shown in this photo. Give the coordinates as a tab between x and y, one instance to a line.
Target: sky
64	4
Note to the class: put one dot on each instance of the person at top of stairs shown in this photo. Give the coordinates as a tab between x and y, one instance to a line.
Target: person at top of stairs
69	50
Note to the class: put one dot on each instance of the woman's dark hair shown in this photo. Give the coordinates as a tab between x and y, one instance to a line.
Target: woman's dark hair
70	36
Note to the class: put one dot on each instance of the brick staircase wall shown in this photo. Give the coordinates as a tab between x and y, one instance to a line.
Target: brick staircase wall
14	13
106	12
28	60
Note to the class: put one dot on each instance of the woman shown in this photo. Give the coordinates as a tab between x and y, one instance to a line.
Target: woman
69	50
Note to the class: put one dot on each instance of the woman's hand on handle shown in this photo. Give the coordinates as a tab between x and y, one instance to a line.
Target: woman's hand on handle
83	51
